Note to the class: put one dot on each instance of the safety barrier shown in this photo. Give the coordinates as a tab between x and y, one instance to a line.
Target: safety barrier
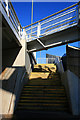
56	22
45	60
10	12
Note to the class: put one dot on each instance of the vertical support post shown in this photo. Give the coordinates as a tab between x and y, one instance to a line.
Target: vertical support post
34	54
79	13
30	37
24	36
19	28
46	60
7	8
37	60
38	30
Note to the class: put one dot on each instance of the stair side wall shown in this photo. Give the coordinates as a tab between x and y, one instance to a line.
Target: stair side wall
71	82
17	65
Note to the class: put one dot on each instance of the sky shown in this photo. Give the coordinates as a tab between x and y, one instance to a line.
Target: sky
41	10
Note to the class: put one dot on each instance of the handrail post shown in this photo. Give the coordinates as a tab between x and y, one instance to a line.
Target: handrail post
19	28
30	37
79	13
7	9
38	30
24	35
37	60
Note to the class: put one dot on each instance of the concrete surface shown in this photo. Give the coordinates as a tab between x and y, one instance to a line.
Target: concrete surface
70	81
12	77
73	59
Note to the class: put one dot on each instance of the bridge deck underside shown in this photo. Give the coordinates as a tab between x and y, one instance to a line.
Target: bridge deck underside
56	39
9	40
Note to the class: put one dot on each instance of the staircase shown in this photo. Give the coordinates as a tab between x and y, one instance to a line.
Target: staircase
44	94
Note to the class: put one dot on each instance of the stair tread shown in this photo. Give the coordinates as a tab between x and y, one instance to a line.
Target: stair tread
44	97
43	104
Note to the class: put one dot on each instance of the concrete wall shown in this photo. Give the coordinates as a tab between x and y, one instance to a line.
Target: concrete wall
73	59
13	70
11	83
72	87
16	69
71	82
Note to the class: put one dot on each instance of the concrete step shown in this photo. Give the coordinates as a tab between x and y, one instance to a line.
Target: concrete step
39	108
43	92
46	83
42	101
53	105
43	107
48	93
44	86
43	97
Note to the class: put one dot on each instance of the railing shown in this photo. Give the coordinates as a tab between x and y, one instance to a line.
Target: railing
56	22
45	60
8	7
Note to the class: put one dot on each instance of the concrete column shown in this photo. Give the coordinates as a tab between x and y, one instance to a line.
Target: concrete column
34	54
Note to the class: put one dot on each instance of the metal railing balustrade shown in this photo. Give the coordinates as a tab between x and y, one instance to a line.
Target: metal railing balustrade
10	12
45	60
56	22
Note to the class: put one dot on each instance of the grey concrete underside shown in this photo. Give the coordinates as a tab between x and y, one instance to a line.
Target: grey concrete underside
9	39
56	39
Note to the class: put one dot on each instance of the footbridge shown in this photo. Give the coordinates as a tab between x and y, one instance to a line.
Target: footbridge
55	30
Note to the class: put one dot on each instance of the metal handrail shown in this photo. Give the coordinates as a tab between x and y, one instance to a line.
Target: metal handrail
9	9
58	22
45	60
52	19
52	15
63	19
15	13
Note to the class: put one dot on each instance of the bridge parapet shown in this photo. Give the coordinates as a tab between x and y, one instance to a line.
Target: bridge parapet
9	14
56	22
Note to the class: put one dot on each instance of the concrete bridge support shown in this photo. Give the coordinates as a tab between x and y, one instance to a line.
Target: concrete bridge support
16	67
